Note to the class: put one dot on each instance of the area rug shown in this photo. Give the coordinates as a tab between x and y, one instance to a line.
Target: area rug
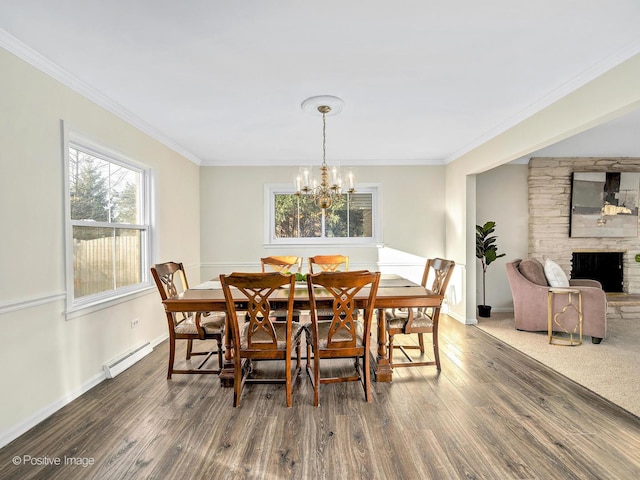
610	369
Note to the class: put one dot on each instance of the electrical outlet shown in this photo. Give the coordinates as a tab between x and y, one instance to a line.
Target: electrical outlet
135	322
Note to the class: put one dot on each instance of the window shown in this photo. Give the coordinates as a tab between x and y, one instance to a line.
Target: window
107	225
352	219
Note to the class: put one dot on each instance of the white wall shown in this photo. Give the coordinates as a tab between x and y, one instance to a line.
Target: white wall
502	196
232	217
49	360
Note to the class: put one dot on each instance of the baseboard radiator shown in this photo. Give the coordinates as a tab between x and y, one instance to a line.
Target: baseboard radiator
121	363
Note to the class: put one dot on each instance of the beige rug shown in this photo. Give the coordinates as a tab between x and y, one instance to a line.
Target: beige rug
610	369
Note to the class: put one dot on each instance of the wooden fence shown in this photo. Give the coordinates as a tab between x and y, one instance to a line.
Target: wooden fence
106	263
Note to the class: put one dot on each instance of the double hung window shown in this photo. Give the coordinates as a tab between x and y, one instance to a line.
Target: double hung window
107	225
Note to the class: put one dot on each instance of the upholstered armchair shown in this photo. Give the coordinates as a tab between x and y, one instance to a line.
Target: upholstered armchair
529	288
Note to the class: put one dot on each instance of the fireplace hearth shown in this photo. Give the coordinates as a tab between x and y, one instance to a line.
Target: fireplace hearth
606	267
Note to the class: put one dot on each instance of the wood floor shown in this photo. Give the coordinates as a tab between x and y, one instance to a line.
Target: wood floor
492	413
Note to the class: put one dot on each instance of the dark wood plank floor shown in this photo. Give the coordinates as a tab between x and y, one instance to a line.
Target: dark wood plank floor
492	413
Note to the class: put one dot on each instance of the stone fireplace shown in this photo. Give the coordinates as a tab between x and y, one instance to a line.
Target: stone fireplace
549	183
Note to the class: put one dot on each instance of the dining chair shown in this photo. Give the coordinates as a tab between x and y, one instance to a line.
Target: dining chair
328	263
407	321
282	264
344	335
171	280
258	336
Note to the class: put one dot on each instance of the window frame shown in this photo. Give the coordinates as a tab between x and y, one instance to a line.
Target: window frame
86	304
270	191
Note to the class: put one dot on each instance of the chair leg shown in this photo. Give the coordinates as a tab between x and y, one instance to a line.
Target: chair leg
421	343
237	382
316	380
436	350
287	375
189	348
172	354
390	349
367	377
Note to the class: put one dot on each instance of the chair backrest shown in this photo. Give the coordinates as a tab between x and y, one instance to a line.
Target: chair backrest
281	264
170	279
438	273
255	290
343	287
329	263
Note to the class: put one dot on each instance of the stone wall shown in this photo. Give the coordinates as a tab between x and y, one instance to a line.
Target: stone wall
549	208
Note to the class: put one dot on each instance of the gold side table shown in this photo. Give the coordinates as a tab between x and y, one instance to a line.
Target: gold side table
558	321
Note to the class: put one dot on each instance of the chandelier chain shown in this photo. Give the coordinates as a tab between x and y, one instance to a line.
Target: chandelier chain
324	139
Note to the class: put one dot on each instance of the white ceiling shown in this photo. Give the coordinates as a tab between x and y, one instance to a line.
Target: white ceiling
423	81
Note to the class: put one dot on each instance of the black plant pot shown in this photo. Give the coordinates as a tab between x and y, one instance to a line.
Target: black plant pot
484	311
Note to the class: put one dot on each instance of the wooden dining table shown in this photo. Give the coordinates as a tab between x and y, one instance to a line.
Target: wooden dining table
394	291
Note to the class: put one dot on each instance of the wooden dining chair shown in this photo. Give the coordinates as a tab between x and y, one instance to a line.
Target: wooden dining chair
407	321
171	280
328	263
344	335
255	335
282	264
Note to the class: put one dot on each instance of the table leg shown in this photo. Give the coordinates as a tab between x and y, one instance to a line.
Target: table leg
382	367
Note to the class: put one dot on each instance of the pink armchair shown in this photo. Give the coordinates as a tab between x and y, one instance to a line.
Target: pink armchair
529	288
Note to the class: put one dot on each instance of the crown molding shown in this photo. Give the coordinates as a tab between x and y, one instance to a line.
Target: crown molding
35	59
390	162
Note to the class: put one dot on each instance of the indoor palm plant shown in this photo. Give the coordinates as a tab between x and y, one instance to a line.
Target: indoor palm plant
487	252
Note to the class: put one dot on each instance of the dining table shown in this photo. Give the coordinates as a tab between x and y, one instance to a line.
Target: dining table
394	291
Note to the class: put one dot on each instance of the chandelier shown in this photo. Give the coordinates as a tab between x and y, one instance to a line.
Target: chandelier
331	184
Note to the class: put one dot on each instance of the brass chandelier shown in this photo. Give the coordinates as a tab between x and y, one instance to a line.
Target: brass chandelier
331	183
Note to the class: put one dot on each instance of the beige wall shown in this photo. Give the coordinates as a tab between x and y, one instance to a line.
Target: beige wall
48	359
232	217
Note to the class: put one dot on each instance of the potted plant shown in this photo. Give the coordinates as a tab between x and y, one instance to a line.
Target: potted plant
487	252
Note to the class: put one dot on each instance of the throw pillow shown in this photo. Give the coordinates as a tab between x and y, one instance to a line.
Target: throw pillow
555	275
532	270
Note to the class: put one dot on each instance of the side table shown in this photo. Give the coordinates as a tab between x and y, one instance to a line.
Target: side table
567	321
